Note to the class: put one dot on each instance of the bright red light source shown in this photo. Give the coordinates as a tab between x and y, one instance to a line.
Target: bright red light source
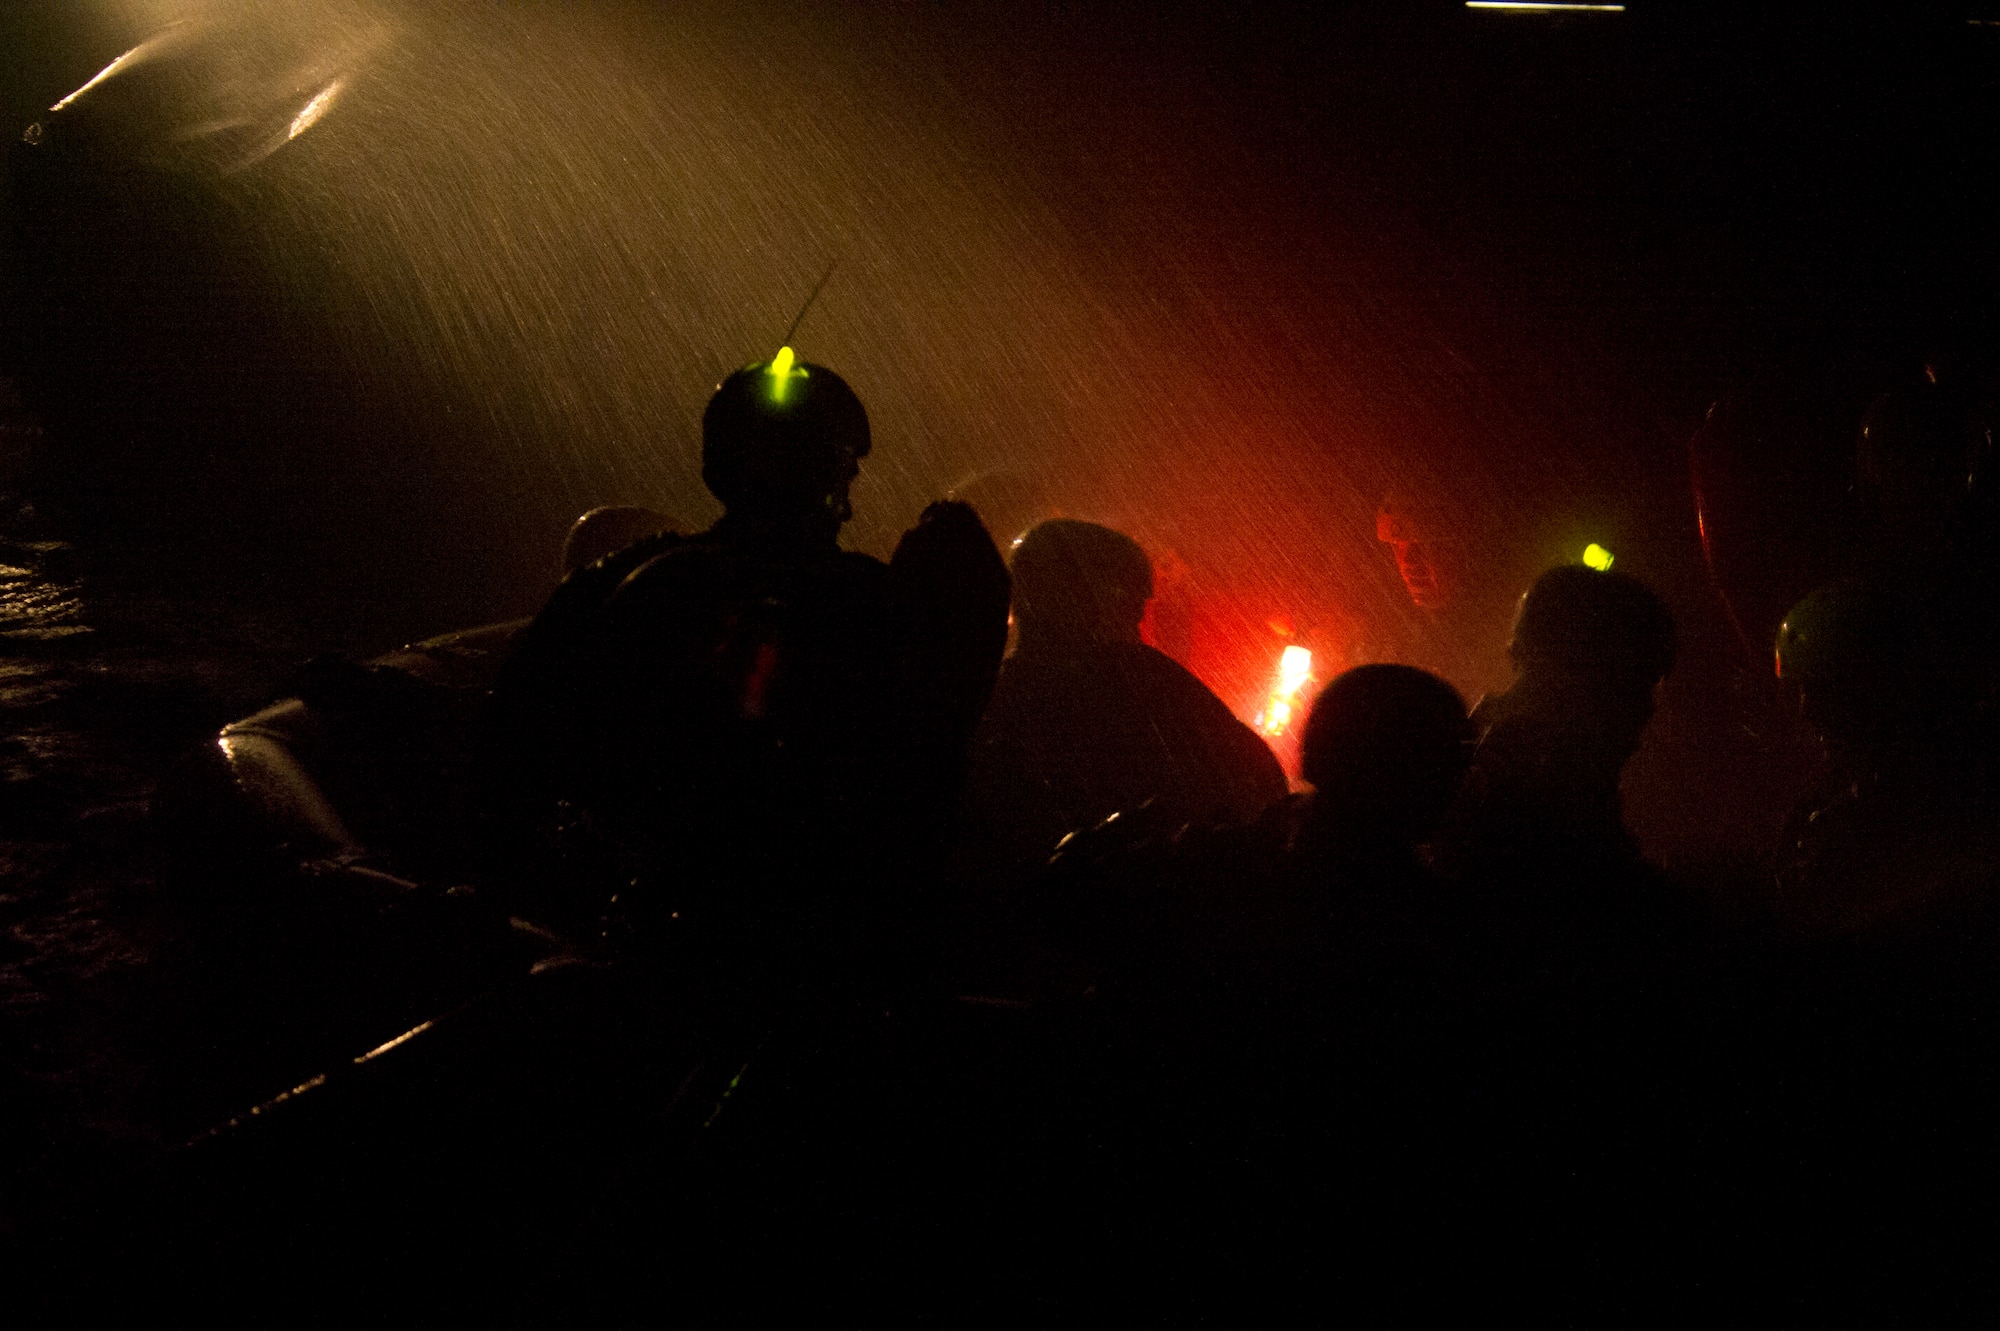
1294	673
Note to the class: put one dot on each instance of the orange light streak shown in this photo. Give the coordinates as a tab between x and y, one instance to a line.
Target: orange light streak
1294	673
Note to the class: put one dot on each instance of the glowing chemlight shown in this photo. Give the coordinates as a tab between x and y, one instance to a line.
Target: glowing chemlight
1597	557
1524	5
781	373
1294	673
310	113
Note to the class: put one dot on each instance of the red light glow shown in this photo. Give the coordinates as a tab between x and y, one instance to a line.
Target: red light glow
1294	673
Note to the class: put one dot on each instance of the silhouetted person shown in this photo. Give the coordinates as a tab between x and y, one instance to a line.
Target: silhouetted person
735	729
536	759
1321	913
1371	1018
1385	750
1867	1061
1087	720
1269	1020
752	739
1538	836
1318	931
1897	672
1571	940
1897	837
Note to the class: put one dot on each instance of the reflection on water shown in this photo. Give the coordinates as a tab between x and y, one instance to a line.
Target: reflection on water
105	682
33	607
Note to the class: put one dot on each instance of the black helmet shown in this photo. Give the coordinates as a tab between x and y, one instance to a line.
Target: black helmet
1578	618
786	435
1387	722
1079	580
1878	674
1840	633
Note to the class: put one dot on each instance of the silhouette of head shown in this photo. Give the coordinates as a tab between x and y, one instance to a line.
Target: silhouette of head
781	442
607	530
1869	681
1077	583
1430	558
1576	618
1590	647
1386	747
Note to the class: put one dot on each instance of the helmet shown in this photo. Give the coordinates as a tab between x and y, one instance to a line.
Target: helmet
1578	618
1386	720
785	435
1076	579
1849	654
1842	632
1877	674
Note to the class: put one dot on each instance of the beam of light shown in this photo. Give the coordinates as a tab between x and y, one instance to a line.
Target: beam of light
1550	6
310	113
312	1084
781	373
1294	673
101	75
404	1038
1597	557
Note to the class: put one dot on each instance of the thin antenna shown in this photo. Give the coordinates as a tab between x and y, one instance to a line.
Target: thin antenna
818	287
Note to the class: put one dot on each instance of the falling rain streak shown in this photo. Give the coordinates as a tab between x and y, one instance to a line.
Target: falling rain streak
554	227
1325	324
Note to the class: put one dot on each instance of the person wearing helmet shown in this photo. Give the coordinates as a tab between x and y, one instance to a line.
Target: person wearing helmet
1847	652
1894	837
1574	947
1539	832
1301	955
1087	720
1878	998
1325	910
1334	875
744	721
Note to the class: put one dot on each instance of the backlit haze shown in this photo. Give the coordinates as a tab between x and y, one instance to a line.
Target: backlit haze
1230	280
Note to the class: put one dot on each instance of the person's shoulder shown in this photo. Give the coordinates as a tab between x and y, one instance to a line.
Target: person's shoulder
603	576
850	583
1149	661
1026	683
636	569
860	566
1162	676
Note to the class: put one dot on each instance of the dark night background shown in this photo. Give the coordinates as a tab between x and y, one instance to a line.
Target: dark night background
1227	276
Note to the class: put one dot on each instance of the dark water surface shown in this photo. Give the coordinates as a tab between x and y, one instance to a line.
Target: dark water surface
115	667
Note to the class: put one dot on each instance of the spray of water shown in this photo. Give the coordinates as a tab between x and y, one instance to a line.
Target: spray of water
562	223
